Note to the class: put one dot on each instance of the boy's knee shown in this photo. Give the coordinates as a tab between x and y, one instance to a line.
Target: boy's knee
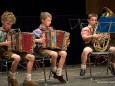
32	57
55	54
17	58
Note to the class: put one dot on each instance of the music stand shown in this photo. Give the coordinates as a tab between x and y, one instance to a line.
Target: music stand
106	25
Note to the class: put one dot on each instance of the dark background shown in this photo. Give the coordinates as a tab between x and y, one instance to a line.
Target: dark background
66	14
28	11
33	7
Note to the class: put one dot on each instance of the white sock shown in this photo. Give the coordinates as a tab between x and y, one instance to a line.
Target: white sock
12	75
28	77
59	72
54	69
83	66
113	65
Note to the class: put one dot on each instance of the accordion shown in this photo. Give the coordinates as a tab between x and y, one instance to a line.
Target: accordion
55	39
21	42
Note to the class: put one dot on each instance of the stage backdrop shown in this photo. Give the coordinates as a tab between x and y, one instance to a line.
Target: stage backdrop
95	6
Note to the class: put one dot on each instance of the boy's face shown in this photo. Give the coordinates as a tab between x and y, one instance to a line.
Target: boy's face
7	25
92	21
47	21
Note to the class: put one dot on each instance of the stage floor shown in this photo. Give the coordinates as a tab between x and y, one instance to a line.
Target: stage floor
99	77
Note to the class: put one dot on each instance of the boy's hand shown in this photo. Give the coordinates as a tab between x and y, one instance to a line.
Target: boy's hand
42	40
107	35
7	43
95	35
68	42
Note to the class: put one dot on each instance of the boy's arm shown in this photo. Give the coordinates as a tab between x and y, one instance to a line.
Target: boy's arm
6	43
86	34
37	34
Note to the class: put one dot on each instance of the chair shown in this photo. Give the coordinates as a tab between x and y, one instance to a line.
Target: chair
108	56
43	59
4	62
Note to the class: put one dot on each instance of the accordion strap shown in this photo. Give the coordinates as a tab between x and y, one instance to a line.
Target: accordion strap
42	29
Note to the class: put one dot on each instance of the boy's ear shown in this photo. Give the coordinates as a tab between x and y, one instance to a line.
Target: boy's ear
88	20
42	20
2	22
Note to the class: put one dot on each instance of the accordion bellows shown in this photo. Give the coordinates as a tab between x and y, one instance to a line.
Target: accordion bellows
22	42
55	39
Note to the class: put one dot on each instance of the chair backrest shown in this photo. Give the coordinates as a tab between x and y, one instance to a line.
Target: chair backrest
100	53
3	59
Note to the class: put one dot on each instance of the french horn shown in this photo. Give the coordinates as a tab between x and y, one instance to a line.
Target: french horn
101	43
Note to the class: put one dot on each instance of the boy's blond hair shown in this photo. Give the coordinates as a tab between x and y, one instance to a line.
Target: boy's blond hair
44	15
8	16
92	15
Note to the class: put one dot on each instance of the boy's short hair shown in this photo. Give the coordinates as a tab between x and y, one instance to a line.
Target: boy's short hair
8	16
92	15
44	15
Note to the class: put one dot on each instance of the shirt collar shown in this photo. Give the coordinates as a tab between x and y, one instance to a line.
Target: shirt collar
89	26
42	26
3	30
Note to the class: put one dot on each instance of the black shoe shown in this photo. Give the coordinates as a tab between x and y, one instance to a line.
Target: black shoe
111	69
82	72
54	75
60	78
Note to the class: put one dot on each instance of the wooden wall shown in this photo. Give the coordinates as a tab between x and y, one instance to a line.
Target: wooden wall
96	6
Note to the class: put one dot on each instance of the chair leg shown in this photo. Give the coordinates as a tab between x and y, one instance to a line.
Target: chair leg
50	74
107	70
107	65
7	72
66	73
90	66
96	60
109	62
2	66
44	72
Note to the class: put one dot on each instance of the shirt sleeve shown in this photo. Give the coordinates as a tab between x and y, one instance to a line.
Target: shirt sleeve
85	32
37	33
2	36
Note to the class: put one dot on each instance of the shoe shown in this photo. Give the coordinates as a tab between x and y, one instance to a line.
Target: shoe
60	78
82	72
110	66
54	75
29	83
12	81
